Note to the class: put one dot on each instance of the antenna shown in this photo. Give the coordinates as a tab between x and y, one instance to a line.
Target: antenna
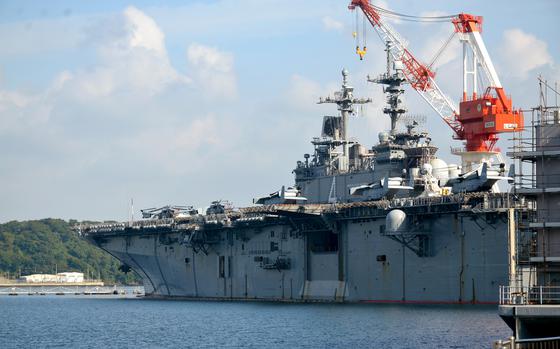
410	121
345	100
131	211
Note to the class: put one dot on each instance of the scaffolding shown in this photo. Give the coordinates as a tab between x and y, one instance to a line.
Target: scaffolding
536	154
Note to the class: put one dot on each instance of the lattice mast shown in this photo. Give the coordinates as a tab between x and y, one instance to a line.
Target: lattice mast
345	101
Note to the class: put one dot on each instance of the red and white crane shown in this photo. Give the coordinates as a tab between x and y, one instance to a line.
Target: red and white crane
479	118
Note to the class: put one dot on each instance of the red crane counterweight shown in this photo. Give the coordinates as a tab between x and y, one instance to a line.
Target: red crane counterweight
483	118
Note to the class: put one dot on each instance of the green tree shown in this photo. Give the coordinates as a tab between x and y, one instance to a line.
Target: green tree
43	246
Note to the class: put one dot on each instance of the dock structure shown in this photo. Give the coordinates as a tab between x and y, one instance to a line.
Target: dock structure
60	290
530	304
92	283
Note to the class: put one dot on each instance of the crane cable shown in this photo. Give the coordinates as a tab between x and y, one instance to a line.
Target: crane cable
401	16
355	33
365	24
441	49
405	17
361	48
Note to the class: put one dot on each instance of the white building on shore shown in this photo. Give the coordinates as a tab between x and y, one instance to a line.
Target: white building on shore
66	277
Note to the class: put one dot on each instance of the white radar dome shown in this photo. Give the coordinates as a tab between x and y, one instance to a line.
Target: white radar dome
440	169
395	221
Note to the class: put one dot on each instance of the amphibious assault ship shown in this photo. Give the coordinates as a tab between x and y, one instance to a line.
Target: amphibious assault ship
388	223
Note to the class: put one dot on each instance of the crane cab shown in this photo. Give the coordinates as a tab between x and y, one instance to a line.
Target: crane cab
487	116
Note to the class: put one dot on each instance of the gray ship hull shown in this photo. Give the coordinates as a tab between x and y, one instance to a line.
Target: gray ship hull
457	254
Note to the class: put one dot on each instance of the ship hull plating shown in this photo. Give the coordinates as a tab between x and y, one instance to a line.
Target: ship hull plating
459	258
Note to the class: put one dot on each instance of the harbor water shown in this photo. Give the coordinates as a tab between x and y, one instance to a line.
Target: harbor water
127	321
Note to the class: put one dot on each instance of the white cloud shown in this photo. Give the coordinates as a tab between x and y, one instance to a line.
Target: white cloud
203	131
213	70
10	99
168	146
209	58
133	57
521	53
133	61
144	32
105	119
304	93
330	23
40	35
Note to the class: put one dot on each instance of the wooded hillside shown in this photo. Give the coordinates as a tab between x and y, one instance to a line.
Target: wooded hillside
50	245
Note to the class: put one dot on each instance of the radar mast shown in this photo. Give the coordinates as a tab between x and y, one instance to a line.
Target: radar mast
394	79
344	99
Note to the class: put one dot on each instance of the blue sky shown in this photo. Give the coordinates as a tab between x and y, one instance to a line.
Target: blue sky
185	102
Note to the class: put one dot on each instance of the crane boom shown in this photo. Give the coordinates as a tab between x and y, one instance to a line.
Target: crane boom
420	77
478	119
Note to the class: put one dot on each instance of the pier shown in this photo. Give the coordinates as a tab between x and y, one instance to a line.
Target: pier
61	290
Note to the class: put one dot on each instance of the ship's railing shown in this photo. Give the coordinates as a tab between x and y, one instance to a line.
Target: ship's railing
150	223
458	150
499	201
486	201
491	200
144	224
171	223
533	343
525	295
438	200
468	202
